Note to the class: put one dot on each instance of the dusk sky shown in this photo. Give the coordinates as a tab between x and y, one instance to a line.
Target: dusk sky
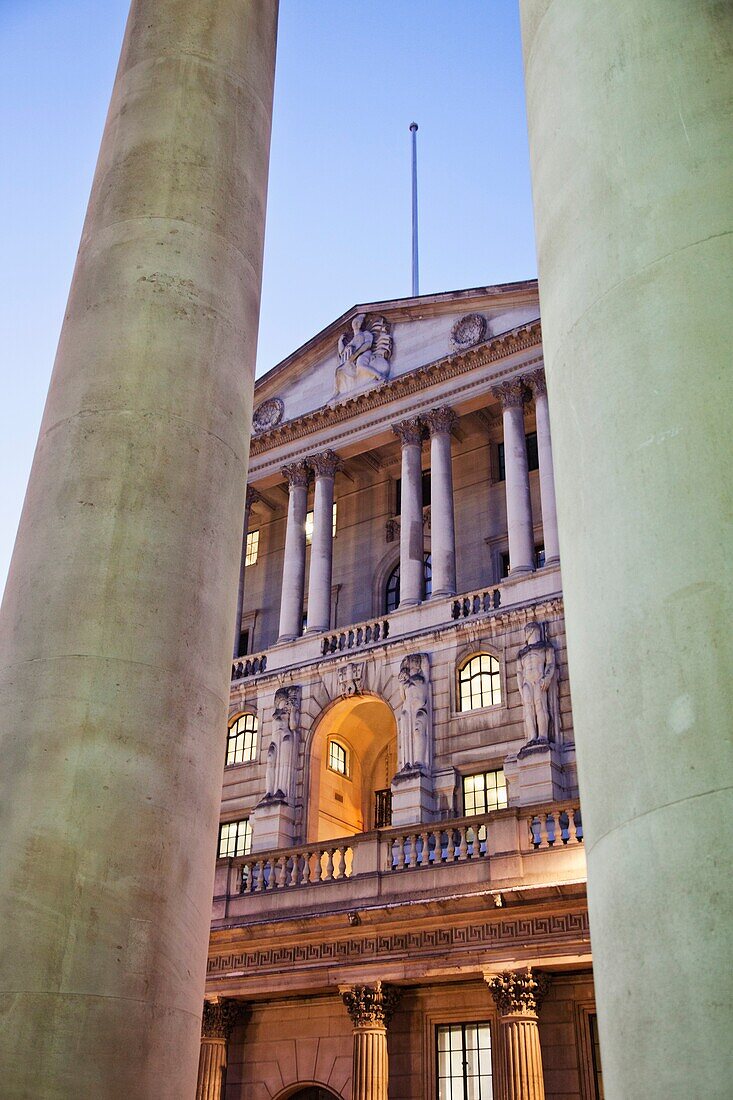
351	76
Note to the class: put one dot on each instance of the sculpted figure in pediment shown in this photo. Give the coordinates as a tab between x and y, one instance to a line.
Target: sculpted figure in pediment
364	354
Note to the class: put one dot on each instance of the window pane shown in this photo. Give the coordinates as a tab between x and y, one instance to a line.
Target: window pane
252	547
479	682
242	739
337	757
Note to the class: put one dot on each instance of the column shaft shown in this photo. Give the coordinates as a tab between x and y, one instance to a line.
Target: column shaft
634	287
547	476
370	1075
293	584
523	1078
212	1063
442	521
240	587
113	649
412	539
518	503
321	564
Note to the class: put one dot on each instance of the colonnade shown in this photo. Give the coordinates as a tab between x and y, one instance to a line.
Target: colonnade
437	425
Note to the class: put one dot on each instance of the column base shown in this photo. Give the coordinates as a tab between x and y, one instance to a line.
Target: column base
315	630
552	561
408	603
285	639
521	571
442	592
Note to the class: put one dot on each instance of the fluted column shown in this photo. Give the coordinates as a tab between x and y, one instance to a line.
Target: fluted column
370	1008
442	521
240	589
538	386
518	995
116	624
219	1017
412	540
324	467
293	584
516	474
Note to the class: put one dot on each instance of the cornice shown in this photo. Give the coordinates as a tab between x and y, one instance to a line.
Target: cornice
446	368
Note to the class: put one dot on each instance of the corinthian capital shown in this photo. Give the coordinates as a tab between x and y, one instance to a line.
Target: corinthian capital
519	992
219	1018
325	464
409	431
371	1005
511	394
536	382
440	420
296	473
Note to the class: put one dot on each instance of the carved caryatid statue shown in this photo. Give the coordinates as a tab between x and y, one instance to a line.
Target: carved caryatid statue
283	744
537	677
414	715
363	354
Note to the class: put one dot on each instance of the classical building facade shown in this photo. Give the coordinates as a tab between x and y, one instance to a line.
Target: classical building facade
400	903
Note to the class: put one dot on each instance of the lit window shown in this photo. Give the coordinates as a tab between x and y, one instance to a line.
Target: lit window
484	792
309	525
235	838
479	683
337	758
252	548
392	601
242	739
464	1062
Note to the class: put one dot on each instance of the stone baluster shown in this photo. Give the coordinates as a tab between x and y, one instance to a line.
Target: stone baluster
442	522
250	498
516	473
370	1008
547	477
412	541
518	996
324	467
219	1017
293	585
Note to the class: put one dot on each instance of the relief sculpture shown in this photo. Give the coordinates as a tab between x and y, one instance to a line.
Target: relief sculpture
364	354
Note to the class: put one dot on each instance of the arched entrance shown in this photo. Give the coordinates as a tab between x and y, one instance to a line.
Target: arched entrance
352	760
310	1092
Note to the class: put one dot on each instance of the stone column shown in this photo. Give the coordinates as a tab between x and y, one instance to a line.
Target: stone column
370	1008
293	585
547	477
251	493
114	656
442	522
412	541
219	1017
516	475
634	288
518	996
324	467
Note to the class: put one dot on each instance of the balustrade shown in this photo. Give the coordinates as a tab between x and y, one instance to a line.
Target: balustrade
434	845
476	603
295	867
354	637
249	666
555	827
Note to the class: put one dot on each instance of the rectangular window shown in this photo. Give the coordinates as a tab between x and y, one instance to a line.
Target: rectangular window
309	525
595	1050
464	1062
484	792
252	548
235	838
243	647
533	460
425	492
337	758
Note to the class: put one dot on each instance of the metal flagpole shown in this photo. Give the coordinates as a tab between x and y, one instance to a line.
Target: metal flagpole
415	282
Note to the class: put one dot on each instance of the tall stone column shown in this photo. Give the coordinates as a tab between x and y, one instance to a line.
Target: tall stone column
113	654
293	585
412	540
251	494
518	996
516	478
547	477
634	287
218	1019
442	521
324	467
371	1009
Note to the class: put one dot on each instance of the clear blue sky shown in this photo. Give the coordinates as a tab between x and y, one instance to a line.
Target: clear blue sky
351	76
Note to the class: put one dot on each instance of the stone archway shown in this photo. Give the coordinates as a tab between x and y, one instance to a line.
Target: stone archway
343	804
309	1092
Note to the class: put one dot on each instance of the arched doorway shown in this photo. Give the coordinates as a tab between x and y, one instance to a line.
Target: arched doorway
314	1092
353	757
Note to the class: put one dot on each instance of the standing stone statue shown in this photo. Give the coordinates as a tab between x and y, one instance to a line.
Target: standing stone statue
537	677
414	716
363	354
283	744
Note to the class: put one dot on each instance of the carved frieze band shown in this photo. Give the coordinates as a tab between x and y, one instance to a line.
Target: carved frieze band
519	991
571	926
219	1017
371	1005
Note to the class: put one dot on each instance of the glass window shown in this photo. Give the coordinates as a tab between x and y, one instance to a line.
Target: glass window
242	739
484	792
479	683
595	1049
252	547
243	646
464	1062
309	525
235	838
392	601
337	758
533	459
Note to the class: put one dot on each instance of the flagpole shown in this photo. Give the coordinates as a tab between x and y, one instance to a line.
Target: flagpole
415	281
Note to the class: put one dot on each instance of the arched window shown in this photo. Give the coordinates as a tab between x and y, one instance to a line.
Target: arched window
392	601
479	682
242	739
338	757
